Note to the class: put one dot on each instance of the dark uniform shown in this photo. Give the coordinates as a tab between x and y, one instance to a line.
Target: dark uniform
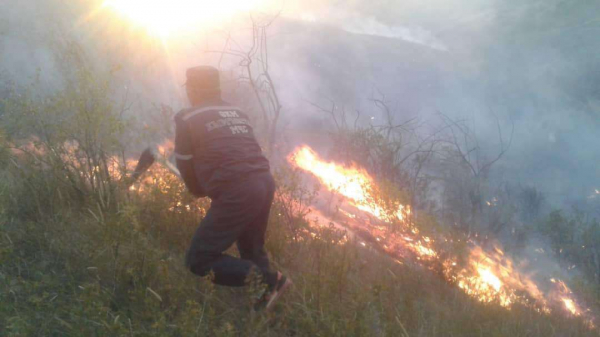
219	157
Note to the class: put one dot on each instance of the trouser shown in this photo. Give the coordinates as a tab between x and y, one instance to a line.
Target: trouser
238	214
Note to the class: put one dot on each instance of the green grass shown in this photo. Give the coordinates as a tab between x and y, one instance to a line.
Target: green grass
85	271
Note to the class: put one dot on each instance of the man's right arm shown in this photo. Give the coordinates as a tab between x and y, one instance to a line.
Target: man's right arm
184	156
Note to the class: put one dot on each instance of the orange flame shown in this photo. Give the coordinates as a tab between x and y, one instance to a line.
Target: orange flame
488	276
353	183
571	306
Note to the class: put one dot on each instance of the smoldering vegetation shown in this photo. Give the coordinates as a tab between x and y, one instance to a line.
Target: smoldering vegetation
483	118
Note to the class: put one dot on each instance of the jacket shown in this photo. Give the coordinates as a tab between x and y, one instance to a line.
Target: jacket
215	146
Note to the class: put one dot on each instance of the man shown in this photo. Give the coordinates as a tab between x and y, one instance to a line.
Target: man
218	156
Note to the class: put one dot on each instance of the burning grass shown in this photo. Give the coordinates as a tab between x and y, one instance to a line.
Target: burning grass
487	275
80	261
120	272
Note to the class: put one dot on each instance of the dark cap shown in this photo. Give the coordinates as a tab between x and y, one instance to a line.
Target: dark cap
203	78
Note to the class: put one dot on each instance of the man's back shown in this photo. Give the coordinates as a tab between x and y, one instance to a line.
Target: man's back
219	141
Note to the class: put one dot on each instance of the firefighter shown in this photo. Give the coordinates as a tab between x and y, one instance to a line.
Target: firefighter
218	156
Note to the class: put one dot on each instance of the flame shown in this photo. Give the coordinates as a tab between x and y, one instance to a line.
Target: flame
487	275
571	306
489	278
353	183
565	295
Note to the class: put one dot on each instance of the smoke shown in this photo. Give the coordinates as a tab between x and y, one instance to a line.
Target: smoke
26	46
480	61
418	35
528	64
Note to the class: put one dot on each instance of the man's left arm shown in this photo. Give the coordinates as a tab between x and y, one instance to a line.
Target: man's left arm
184	158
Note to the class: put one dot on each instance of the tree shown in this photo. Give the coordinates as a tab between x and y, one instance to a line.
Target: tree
254	63
467	173
396	153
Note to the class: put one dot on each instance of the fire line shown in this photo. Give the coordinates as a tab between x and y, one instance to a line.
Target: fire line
489	276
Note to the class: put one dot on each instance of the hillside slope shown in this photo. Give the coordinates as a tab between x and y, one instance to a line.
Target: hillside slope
82	254
88	271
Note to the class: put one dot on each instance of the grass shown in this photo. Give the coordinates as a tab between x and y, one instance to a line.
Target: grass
82	255
86	271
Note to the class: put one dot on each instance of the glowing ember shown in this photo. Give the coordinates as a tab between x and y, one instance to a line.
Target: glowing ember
422	250
487	275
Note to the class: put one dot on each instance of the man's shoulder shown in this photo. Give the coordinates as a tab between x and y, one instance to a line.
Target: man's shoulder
188	113
182	113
